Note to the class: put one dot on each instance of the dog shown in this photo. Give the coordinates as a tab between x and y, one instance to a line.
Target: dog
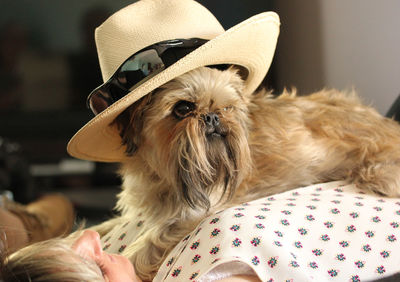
197	145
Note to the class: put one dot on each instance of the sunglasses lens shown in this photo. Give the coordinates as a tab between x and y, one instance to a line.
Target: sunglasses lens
139	67
134	71
99	100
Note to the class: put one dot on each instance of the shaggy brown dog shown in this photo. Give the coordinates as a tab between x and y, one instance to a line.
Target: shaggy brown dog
197	144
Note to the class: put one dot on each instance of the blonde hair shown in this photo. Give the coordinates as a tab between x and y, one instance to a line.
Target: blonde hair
52	260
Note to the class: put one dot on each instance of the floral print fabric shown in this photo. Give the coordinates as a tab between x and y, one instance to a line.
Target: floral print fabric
323	232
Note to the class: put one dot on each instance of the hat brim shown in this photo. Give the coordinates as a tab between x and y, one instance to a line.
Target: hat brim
250	44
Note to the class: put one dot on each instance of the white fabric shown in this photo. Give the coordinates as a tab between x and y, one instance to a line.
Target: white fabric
122	235
227	270
324	232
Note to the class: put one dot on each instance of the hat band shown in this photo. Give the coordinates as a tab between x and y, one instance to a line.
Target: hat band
138	68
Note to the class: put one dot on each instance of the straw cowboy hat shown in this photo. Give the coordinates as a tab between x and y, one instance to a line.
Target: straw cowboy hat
250	44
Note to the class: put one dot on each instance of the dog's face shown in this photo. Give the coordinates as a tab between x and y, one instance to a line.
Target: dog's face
192	134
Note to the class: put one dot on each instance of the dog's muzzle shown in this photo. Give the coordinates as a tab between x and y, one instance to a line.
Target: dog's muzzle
213	125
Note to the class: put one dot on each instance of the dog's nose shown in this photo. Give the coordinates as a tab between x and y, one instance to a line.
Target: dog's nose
211	119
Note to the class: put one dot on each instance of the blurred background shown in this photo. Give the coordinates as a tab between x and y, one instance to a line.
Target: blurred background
48	65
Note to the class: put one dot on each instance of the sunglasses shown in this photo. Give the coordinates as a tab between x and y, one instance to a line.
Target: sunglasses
138	68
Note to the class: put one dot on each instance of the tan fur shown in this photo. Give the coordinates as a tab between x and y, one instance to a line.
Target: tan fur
177	175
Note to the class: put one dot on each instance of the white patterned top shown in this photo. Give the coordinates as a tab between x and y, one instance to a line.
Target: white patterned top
323	232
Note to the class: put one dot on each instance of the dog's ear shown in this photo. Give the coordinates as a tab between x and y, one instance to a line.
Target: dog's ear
239	75
239	70
130	124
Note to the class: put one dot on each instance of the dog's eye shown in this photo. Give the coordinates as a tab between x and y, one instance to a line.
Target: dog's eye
183	108
228	109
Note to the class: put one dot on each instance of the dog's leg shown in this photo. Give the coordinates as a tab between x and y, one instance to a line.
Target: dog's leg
379	177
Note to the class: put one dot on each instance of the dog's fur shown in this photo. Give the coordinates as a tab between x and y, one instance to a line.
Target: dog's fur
223	148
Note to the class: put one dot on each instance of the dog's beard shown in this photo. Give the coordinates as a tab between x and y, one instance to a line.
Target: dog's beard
208	163
195	160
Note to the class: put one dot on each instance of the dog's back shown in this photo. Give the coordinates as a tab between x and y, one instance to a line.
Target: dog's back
328	135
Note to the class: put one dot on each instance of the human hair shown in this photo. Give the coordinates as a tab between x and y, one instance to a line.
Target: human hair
52	260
